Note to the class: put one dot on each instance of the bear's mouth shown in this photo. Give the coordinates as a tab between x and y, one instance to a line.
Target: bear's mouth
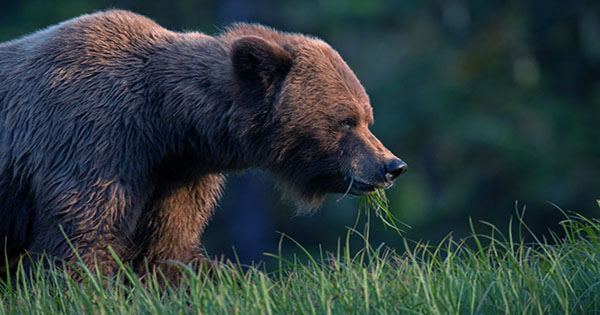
361	188
358	187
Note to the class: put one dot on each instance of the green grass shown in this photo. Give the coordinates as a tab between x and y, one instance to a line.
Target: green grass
495	273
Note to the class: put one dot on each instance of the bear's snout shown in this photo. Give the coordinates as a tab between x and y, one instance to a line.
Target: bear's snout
394	168
372	166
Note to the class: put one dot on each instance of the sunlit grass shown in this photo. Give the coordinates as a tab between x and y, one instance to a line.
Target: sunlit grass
497	273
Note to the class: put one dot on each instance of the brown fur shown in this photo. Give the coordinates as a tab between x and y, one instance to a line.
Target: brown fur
118	132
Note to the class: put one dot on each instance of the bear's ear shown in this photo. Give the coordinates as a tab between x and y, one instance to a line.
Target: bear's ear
258	62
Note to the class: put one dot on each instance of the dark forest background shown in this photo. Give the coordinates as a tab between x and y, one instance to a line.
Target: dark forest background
493	104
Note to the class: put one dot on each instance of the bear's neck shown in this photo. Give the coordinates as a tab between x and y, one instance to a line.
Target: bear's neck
192	83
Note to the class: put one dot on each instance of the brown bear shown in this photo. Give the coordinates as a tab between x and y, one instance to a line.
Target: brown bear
116	133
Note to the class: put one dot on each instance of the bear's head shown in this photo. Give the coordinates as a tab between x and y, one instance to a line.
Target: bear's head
307	118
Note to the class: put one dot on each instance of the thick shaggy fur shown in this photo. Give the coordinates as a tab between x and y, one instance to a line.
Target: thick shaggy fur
116	132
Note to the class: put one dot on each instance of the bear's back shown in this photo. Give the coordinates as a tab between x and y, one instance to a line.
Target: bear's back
89	39
100	50
111	25
74	71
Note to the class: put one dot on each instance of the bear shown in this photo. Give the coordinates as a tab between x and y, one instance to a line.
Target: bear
116	134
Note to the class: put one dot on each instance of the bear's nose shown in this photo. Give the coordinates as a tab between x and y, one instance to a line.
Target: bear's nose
395	168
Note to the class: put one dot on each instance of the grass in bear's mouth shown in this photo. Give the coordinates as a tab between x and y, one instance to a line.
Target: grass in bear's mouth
377	201
495	274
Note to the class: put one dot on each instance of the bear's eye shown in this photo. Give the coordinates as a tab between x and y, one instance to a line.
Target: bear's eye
348	123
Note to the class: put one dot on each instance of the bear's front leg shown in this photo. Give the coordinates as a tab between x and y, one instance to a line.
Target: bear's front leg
82	222
178	218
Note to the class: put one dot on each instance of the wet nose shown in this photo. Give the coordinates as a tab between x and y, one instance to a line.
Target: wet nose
395	168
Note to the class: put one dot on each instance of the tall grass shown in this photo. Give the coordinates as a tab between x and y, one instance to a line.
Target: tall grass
497	273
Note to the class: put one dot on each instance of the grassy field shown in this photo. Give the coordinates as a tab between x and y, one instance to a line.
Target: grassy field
495	273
